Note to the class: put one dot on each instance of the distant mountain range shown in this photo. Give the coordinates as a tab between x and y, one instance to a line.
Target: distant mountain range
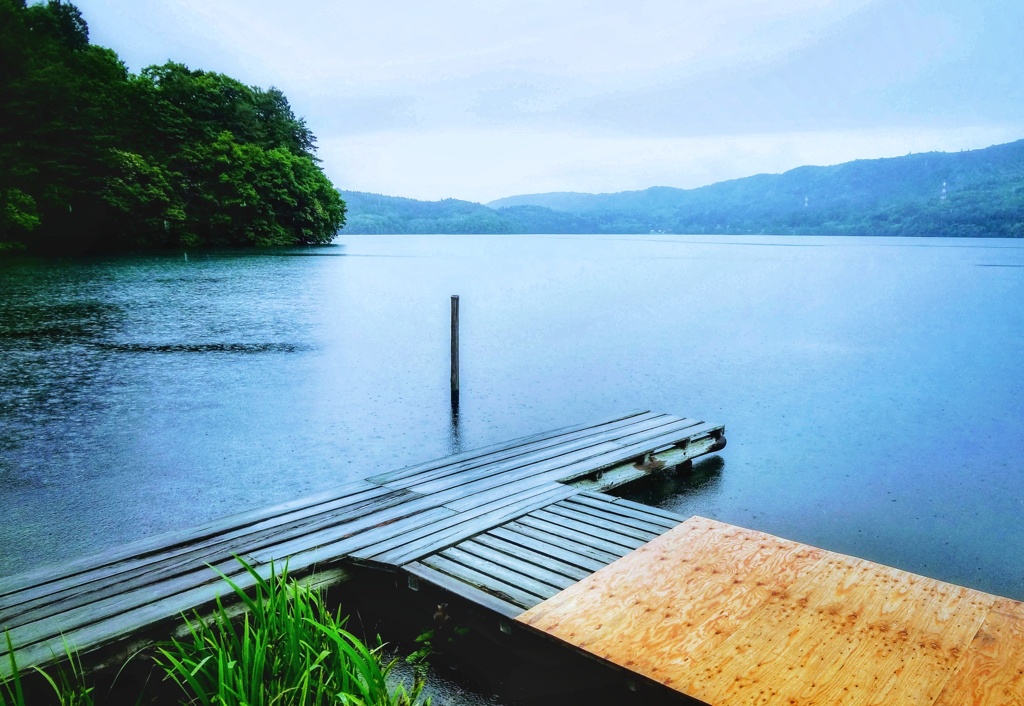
979	193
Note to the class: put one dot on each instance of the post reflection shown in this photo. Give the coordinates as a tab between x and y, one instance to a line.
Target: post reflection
454	428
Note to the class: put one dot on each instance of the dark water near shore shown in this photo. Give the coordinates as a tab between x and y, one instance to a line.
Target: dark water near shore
872	389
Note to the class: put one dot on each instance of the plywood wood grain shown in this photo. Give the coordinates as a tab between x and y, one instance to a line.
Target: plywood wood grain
992	672
733	616
700	583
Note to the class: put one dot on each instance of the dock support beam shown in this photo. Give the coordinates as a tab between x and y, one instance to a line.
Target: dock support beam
455	348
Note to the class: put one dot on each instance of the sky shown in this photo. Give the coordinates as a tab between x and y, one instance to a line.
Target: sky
483	99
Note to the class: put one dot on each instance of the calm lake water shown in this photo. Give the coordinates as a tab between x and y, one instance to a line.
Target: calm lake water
872	389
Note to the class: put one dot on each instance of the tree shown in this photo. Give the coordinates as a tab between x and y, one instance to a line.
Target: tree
94	157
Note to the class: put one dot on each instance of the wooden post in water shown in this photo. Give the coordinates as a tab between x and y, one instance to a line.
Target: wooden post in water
455	348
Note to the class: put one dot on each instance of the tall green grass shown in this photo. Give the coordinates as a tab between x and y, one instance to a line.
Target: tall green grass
67	684
11	691
287	649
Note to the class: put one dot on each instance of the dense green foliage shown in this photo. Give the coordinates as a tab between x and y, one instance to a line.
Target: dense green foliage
984	197
94	157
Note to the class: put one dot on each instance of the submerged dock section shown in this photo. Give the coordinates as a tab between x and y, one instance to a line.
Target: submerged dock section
506	526
727	615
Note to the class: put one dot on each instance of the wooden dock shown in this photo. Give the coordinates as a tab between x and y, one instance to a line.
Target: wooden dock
732	616
505	527
520	532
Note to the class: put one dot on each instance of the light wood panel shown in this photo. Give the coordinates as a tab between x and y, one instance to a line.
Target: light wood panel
993	671
733	616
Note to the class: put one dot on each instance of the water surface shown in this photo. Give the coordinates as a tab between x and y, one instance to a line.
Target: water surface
872	389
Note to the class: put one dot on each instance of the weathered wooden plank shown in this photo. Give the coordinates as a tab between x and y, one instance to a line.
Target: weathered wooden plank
650	523
513	469
576	464
462	589
330	536
109	611
61	595
548	448
561	467
617	535
125	646
559	454
171	540
103	609
100	628
673	434
641	444
482	582
57	605
464	530
617	508
663	458
615	523
478	453
500	572
992	671
81	620
572	543
552	471
401	542
583	539
485	490
347	541
624	503
564	561
552	572
490	488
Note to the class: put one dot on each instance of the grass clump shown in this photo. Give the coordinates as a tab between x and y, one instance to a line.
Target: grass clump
11	691
68	689
287	649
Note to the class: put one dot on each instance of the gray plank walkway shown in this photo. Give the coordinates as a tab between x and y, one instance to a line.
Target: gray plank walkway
506	526
525	561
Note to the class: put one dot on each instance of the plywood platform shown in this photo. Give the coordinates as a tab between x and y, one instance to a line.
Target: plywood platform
732	616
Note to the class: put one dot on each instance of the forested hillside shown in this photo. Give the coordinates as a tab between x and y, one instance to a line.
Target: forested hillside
970	194
373	213
96	158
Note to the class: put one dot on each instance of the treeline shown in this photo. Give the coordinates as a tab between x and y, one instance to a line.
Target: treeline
376	214
966	194
96	158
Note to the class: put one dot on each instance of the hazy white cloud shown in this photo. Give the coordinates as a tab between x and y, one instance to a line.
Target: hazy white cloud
489	164
486	98
411	42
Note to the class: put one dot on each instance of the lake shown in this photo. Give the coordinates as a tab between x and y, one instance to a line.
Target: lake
872	389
